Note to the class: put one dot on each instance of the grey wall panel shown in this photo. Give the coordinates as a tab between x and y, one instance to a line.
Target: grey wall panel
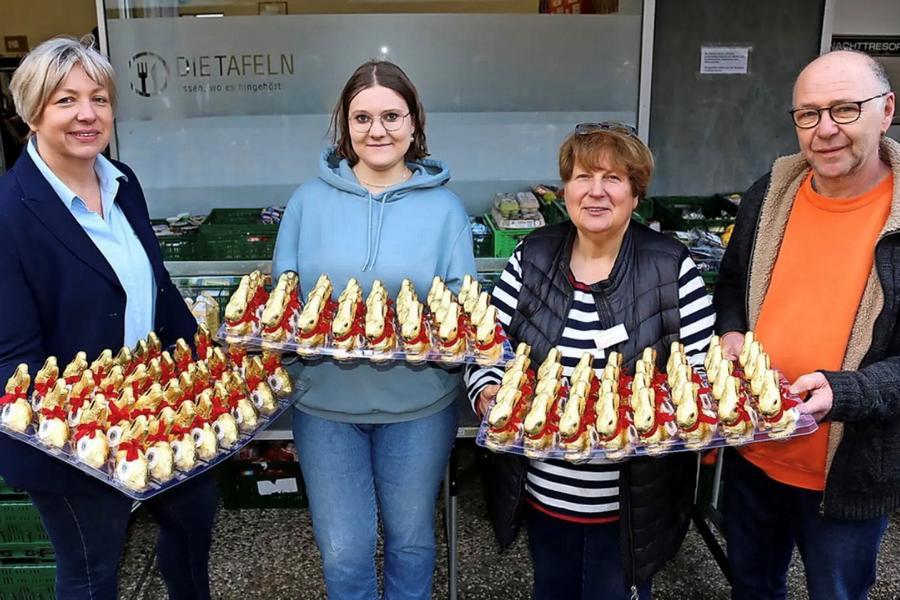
719	133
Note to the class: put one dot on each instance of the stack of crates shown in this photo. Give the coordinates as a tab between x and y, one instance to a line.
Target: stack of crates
506	240
27	567
226	234
237	234
711	213
180	246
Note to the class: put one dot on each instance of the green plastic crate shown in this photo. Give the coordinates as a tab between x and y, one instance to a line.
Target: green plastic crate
27	580
483	245
554	212
731	197
185	246
644	211
262	484
178	246
20	524
7	492
505	240
237	234
241	243
717	212
27	570
234	216
26	551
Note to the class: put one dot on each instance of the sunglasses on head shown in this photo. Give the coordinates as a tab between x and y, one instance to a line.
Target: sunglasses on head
614	126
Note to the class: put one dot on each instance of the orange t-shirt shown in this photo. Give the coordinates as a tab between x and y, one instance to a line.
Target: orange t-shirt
809	309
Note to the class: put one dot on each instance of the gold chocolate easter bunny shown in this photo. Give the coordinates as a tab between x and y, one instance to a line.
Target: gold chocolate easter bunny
75	368
89	438
17	412
132	468
53	427
160	455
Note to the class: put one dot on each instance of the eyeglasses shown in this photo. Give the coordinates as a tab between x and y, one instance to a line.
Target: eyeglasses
842	113
391	121
614	126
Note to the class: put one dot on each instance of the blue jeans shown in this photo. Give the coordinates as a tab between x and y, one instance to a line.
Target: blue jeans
356	472
763	521
573	561
88	533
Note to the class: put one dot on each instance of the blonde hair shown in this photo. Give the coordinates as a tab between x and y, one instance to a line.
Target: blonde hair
48	65
618	149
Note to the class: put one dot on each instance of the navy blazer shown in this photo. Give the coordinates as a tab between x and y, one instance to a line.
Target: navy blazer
60	295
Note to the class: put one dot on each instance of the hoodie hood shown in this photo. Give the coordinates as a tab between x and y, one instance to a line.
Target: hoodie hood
336	172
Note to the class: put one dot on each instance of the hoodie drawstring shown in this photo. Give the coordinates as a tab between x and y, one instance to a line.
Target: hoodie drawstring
369	202
377	243
372	243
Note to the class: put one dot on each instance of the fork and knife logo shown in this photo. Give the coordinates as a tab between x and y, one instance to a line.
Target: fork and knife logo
149	74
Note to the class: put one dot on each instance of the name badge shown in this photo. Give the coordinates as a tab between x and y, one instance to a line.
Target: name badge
610	337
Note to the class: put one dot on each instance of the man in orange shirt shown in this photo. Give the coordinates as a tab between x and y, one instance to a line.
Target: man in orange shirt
813	268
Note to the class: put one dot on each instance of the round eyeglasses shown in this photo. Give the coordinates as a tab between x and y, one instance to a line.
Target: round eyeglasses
391	121
842	113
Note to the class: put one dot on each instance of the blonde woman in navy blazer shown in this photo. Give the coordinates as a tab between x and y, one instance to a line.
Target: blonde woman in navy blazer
80	269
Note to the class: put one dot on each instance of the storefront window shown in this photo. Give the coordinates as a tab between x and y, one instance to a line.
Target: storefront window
233	110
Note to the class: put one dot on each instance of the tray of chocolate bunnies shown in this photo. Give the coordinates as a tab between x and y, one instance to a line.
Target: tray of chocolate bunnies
445	328
146	419
613	414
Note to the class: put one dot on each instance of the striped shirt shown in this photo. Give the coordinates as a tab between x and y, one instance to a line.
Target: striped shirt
588	492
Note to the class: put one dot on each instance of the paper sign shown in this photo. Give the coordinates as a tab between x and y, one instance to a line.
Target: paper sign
724	60
610	337
279	486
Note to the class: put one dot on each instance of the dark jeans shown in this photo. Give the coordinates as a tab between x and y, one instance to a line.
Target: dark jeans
88	533
574	561
763	521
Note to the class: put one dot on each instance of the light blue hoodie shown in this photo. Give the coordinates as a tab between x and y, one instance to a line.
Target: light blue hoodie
416	230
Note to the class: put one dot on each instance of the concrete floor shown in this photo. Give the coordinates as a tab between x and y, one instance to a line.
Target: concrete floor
270	554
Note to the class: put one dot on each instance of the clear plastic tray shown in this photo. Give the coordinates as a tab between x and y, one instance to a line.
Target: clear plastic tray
328	349
805	425
67	455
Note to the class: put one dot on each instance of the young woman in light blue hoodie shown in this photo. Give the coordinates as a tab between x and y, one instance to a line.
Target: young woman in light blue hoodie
374	440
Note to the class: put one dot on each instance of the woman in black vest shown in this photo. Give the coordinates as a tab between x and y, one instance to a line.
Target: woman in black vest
598	283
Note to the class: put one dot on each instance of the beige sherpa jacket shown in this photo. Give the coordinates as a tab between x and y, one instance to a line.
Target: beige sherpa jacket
788	174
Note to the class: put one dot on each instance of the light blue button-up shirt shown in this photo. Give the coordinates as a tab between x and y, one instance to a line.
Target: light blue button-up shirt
116	240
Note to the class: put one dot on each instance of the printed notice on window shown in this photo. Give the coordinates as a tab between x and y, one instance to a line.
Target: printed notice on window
724	60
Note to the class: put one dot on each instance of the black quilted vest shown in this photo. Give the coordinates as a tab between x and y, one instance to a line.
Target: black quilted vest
642	294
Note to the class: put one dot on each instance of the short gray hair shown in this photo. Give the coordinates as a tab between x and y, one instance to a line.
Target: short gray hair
47	66
875	67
